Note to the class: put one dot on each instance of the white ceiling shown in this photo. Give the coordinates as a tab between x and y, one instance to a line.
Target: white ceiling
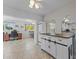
47	5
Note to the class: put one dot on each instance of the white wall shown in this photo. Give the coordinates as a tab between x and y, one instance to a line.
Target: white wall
59	15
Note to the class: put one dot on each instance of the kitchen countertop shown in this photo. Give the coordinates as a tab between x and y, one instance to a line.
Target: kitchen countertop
61	35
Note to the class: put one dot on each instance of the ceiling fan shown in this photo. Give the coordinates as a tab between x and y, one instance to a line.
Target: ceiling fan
35	4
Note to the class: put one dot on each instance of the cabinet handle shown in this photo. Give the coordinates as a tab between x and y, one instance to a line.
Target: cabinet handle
60	40
49	40
48	46
55	42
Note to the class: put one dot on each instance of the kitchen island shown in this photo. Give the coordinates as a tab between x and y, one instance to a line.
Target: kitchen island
59	45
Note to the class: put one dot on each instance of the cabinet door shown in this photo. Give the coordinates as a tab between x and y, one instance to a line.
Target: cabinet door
47	46
40	36
43	44
53	49
62	52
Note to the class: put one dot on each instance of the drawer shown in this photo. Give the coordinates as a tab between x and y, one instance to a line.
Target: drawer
43	35
48	37
53	38
63	41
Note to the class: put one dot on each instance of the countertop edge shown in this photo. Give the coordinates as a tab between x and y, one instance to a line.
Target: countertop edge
56	35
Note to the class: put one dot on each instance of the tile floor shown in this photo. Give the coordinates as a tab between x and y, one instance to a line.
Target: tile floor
23	49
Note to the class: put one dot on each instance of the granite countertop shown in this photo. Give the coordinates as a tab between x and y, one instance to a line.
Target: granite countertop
61	35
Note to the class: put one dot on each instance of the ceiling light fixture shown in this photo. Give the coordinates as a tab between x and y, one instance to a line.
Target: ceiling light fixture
35	4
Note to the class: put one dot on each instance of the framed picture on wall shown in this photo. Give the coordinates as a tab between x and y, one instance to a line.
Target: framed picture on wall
29	27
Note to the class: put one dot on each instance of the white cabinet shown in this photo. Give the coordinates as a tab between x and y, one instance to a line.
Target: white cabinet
60	48
53	46
62	52
63	45
39	39
47	46
43	44
53	49
66	41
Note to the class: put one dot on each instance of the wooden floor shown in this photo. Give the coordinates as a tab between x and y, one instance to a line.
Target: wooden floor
23	49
